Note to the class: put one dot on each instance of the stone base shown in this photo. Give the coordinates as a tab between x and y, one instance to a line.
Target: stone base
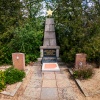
50	67
58	59
39	59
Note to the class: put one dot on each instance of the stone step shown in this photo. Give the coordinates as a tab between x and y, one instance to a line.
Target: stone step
49	59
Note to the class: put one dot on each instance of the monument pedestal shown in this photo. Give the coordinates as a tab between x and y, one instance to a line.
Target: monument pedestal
49	49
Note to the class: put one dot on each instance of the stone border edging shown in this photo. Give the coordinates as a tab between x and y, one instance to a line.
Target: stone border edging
79	84
12	93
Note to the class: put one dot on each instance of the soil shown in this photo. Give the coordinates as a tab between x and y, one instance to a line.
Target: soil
91	86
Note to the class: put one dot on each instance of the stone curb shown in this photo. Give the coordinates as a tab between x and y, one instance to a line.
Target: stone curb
12	93
80	86
78	83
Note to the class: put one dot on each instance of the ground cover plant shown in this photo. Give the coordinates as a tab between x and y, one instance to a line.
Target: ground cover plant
14	75
83	73
2	80
10	76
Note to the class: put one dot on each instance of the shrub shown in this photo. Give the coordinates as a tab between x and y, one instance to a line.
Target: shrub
83	73
30	57
14	75
27	40
2	80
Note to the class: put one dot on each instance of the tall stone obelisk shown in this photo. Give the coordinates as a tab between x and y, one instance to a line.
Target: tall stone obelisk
49	42
49	34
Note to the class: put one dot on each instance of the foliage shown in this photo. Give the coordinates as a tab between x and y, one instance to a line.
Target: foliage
83	73
13	75
33	8
50	4
5	55
10	17
10	76
20	31
69	29
92	44
78	30
27	39
2	80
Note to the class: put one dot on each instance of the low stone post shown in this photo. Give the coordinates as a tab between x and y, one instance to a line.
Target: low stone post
18	60
80	60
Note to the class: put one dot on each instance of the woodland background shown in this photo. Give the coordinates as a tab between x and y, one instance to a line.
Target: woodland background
22	26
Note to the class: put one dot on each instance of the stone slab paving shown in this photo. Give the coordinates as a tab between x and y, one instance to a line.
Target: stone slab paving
60	76
35	83
49	83
63	83
32	92
49	76
48	86
49	94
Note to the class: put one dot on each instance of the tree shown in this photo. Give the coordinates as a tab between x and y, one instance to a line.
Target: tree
69	28
20	28
10	16
27	40
77	29
32	7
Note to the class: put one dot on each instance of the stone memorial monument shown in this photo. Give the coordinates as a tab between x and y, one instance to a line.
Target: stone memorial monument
49	48
18	60
49	52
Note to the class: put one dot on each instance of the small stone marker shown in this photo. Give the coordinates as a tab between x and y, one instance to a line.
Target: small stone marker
18	60
80	60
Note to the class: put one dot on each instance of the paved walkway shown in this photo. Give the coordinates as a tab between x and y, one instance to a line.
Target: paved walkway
48	86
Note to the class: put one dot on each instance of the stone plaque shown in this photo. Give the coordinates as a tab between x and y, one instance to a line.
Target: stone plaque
49	52
80	60
18	60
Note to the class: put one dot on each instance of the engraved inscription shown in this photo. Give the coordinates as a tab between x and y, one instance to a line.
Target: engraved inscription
49	52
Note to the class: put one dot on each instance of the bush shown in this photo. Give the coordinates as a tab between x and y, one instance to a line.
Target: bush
83	73
30	57
2	80
14	75
27	40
